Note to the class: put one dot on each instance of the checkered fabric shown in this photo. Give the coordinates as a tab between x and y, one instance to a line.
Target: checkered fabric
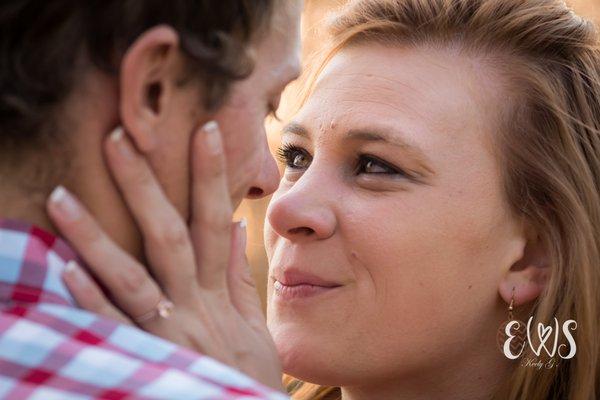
50	349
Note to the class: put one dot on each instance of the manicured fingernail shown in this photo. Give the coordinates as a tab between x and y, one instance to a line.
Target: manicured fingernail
213	136
117	137
74	271
243	227
65	203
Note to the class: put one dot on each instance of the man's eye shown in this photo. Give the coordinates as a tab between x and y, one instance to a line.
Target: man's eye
272	112
294	157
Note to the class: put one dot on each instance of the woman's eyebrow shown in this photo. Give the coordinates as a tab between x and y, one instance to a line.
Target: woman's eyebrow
377	135
367	135
296	129
394	139
371	135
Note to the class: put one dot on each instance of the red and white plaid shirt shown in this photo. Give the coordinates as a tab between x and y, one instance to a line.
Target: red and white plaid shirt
50	349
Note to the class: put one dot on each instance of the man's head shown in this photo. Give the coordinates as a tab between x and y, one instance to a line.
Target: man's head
72	71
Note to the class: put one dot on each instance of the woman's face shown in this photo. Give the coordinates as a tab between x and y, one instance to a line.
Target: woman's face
391	204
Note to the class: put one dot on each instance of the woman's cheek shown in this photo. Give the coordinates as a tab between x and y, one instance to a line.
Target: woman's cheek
269	239
270	236
398	253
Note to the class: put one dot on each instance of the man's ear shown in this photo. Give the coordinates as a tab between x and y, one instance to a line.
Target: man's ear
528	276
147	77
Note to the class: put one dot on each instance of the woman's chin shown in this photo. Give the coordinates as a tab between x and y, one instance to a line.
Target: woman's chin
308	367
305	356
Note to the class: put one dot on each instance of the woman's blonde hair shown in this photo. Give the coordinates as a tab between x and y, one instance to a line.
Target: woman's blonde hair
549	150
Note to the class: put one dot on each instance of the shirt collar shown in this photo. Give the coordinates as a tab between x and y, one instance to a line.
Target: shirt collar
31	264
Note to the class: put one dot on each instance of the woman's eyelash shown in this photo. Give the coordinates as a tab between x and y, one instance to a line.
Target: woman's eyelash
365	160
288	152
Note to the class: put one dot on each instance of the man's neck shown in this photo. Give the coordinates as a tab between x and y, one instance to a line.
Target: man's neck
25	206
30	207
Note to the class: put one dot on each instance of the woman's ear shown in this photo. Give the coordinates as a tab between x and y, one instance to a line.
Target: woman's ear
528	276
148	73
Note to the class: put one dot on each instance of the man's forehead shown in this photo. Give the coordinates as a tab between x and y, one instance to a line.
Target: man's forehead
280	57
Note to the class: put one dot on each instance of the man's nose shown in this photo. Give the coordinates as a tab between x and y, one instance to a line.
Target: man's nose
267	180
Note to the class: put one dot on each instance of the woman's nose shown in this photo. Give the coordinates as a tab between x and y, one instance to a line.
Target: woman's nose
303	213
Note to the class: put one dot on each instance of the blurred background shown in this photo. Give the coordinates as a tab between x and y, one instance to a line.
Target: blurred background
315	12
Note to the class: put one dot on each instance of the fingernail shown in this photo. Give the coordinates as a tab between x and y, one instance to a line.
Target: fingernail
65	203
244	234
213	137
116	136
74	271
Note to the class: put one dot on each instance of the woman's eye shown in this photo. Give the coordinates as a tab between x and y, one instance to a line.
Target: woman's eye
300	161
294	157
297	158
370	165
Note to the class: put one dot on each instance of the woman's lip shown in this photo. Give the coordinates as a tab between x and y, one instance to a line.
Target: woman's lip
302	290
295	277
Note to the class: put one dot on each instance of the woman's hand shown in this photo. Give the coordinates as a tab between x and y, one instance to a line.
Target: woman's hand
203	281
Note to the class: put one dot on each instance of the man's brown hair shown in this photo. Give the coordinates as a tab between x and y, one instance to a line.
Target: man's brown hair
42	43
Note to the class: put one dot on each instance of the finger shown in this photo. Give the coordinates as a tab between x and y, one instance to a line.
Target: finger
211	208
165	233
242	287
88	295
128	282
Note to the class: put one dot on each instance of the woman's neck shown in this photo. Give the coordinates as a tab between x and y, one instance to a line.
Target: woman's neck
468	378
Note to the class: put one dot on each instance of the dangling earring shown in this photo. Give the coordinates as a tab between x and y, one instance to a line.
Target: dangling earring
518	330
